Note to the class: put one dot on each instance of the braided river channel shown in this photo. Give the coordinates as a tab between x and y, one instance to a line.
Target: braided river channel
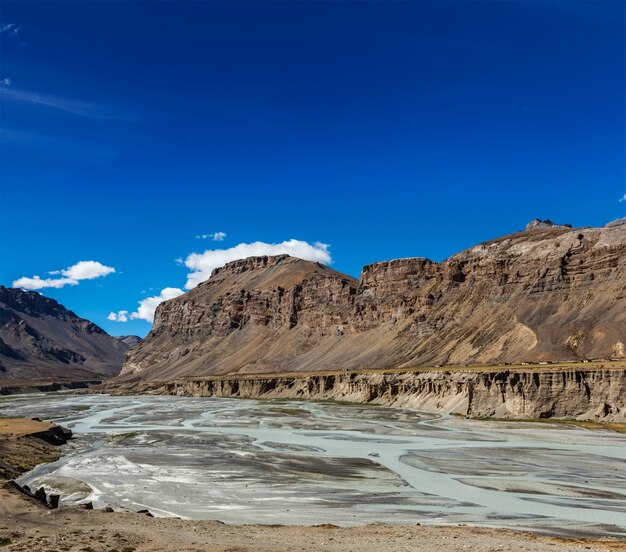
246	461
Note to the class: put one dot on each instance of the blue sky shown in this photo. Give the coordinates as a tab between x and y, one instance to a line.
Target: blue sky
380	129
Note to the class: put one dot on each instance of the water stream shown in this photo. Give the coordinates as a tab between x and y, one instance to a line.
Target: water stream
289	462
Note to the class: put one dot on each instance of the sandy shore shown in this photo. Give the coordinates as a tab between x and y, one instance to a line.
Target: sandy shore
27	525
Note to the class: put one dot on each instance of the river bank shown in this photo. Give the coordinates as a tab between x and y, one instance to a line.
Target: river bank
594	393
18	387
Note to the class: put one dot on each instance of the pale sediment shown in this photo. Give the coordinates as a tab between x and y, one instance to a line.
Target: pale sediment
583	394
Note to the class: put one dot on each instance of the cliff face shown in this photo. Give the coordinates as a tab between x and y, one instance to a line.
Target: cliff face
598	394
41	340
550	293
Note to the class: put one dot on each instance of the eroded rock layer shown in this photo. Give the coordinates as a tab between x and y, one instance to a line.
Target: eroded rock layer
596	394
550	293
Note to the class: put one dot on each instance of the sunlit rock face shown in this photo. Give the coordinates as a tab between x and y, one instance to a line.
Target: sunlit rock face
597	394
290	462
550	293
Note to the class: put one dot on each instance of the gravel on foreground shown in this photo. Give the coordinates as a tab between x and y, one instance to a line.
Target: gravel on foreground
26	526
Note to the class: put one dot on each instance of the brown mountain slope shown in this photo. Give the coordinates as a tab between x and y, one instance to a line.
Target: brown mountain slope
41	340
550	293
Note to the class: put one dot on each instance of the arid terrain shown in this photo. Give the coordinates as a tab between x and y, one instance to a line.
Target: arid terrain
312	275
527	326
550	293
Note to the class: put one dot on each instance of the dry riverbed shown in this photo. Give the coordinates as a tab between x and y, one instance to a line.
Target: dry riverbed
27	525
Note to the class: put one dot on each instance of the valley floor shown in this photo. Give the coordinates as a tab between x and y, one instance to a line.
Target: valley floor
26	525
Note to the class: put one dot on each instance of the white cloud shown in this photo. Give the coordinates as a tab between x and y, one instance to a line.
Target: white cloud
72	106
36	282
121	316
6	81
10	28
87	270
76	107
202	264
147	307
216	236
83	270
622	199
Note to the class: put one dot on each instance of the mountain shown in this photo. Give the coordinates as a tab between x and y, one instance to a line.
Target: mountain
41	340
548	293
125	342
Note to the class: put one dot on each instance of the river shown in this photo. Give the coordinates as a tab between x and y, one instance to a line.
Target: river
290	462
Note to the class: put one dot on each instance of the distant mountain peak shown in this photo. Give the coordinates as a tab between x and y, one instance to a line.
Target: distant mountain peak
128	340
42	340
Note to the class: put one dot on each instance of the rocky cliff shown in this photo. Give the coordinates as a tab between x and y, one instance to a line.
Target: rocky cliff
42	341
549	293
595	394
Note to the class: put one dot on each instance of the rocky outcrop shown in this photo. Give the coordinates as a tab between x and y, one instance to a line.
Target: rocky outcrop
550	293
25	443
545	223
49	501
616	223
42	343
596	394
